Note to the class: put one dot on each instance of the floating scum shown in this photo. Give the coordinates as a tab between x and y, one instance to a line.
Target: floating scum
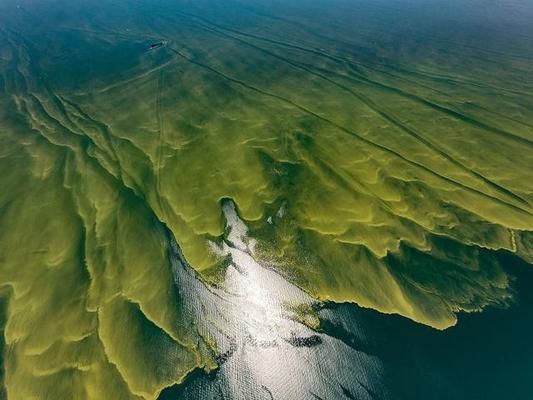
386	176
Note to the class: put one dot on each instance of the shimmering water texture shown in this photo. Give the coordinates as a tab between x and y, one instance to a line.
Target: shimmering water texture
212	199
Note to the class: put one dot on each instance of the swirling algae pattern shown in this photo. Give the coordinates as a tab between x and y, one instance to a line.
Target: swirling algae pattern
373	165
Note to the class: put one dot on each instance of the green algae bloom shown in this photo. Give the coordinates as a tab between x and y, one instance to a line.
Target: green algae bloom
378	155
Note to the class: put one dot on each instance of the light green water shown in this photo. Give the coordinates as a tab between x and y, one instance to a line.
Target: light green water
375	150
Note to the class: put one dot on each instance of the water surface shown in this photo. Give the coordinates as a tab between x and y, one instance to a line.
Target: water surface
266	199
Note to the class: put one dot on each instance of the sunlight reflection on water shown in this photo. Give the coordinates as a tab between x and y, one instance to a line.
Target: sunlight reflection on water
264	351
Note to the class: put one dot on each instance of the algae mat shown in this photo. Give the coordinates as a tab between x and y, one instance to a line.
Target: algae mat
185	180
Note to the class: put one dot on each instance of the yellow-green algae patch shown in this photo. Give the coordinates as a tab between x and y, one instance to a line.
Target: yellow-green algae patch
369	173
